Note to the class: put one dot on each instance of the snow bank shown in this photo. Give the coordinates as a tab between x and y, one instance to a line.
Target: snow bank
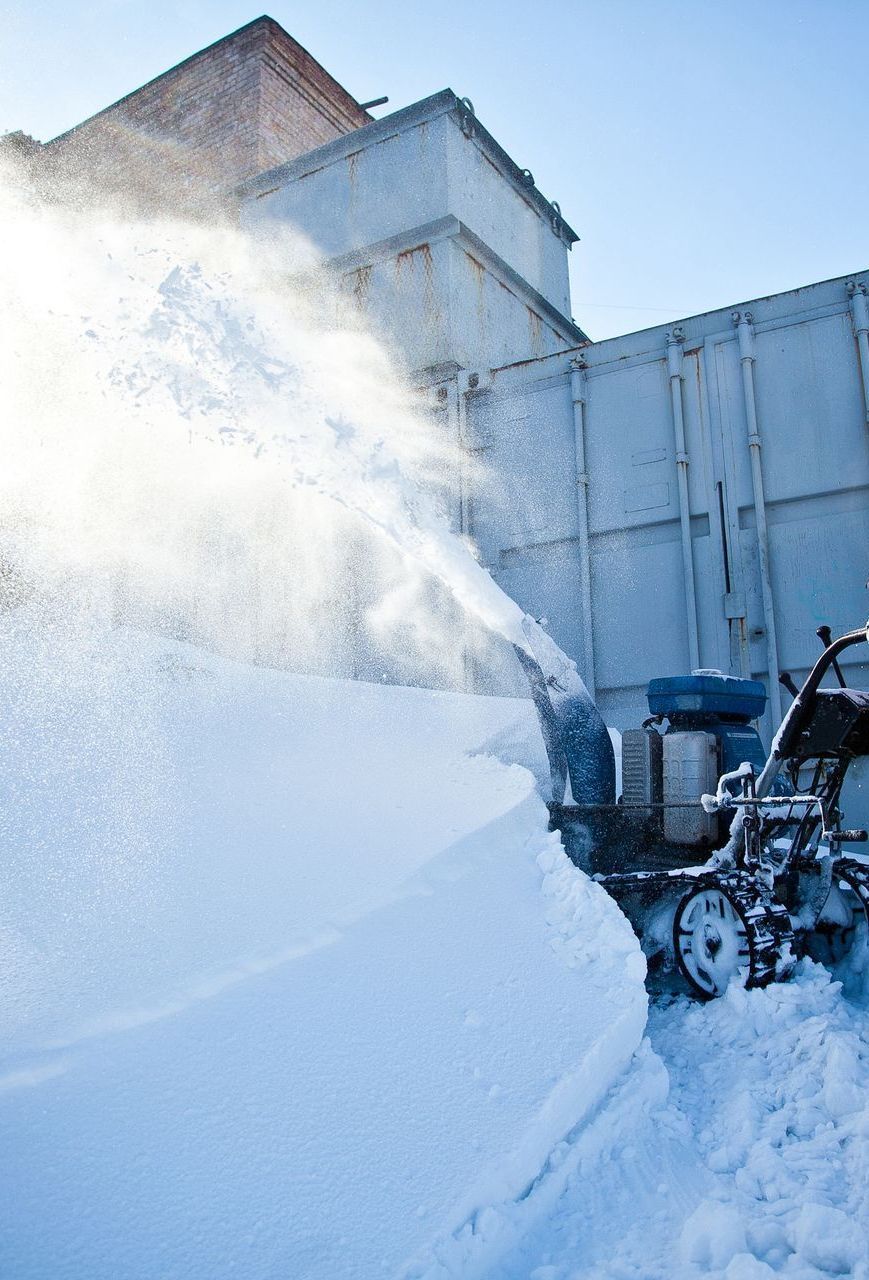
295	982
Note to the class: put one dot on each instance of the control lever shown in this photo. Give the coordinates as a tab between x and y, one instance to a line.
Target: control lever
825	636
787	680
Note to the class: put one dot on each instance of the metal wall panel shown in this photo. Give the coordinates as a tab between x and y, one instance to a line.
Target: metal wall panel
813	444
695	494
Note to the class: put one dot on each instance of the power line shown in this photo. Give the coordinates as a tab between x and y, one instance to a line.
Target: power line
615	306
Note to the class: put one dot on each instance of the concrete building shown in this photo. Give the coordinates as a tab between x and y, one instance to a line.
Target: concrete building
450	249
688	496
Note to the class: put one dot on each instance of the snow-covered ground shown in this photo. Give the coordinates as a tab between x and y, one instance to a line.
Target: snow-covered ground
295	981
321	997
750	1160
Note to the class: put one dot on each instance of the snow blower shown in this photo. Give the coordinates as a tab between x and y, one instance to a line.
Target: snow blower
725	860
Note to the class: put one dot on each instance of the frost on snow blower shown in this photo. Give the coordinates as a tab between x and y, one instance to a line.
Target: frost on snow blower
773	883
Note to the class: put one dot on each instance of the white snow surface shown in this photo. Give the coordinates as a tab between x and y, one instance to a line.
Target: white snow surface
295	981
739	1149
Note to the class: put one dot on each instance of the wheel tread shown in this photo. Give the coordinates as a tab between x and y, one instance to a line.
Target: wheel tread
768	930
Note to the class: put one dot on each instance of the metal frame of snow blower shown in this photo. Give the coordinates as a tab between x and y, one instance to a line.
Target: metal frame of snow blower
773	871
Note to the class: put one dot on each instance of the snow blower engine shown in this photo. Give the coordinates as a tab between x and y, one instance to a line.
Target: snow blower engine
725	859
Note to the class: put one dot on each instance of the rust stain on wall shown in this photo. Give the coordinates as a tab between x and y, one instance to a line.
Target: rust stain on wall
353	168
535	331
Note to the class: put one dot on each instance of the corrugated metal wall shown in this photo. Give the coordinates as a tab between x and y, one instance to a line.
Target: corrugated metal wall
792	361
695	495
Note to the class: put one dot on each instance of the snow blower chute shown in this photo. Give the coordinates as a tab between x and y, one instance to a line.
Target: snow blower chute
725	859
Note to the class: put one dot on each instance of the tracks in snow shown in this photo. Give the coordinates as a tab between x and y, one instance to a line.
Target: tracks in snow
755	1165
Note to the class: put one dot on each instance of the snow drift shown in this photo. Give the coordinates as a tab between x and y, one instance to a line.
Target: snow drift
320	1006
752	1164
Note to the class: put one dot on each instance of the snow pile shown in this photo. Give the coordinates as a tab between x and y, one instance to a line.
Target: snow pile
331	1019
791	1141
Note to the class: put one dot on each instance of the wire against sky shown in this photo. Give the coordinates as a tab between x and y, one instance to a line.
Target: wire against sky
625	306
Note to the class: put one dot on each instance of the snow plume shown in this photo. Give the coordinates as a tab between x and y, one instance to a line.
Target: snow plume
194	444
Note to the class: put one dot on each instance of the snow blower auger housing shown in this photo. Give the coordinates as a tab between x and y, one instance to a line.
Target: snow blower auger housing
726	860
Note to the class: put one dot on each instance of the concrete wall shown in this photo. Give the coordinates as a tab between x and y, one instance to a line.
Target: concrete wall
254	99
439	296
450	251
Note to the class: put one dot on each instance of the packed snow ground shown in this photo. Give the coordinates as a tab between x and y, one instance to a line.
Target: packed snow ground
295	981
749	1160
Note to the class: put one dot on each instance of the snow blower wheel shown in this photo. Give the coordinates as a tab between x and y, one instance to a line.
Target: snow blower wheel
728	924
851	883
854	875
844	918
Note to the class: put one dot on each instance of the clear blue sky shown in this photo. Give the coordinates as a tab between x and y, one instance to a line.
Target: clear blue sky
706	151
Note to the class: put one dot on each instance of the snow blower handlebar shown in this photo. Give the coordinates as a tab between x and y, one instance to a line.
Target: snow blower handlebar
786	740
800	710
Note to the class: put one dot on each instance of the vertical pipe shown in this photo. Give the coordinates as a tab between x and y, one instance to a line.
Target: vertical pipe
860	315
464	478
745	335
674	368
458	416
578	389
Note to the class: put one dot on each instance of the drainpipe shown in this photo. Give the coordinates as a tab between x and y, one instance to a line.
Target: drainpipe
745	334
456	405
578	391
464	479
860	315
458	415
674	368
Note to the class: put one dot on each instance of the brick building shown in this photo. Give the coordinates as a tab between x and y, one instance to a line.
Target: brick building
252	100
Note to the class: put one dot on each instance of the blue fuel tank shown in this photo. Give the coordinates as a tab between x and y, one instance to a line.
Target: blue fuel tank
717	704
